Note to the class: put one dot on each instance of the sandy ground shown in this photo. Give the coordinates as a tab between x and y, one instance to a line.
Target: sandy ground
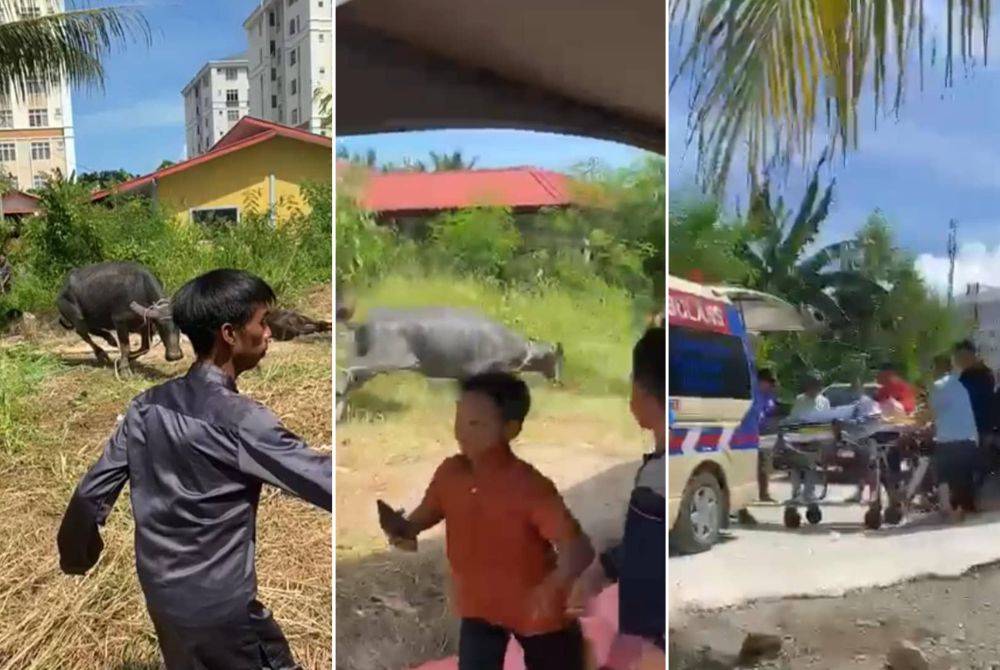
841	596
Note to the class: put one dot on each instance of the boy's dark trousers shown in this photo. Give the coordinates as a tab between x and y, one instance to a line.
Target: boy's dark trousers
253	642
482	646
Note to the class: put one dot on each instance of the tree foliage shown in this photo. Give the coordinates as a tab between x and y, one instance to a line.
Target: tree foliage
766	74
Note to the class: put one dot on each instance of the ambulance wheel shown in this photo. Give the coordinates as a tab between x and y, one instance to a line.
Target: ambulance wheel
701	516
893	515
792	518
814	514
873	518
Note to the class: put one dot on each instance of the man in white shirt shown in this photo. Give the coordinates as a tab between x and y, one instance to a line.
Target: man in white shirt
956	441
812	400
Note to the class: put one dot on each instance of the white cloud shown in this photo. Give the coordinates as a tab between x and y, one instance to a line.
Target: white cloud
974	263
153	113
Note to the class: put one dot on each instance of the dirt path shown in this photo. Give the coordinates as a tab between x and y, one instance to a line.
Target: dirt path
953	621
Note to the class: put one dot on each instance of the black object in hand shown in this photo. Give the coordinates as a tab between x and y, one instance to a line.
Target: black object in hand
392	522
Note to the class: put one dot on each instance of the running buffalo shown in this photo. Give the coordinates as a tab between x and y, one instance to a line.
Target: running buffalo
445	343
112	300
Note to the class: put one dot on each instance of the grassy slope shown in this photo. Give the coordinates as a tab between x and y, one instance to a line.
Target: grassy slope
64	413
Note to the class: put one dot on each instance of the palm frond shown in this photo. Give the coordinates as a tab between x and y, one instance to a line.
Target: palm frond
765	73
70	45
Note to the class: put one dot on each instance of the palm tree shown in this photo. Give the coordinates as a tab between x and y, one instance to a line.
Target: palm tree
781	259
764	73
67	45
452	161
324	99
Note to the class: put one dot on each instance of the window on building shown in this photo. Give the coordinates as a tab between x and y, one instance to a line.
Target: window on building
295	117
233	115
231	73
260	57
281	115
272	47
291	2
216	216
58	112
321	37
38	181
41	151
28	10
293	56
270	19
233	97
6	118
274	73
35	87
274	101
260	28
38	118
8	152
293	87
291	26
322	70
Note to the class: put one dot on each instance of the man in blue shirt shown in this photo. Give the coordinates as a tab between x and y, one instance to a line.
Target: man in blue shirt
766	407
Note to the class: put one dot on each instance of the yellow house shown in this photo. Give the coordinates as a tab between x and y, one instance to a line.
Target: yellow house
257	164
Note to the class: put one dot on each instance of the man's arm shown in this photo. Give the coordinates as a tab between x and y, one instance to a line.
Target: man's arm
272	453
557	525
79	537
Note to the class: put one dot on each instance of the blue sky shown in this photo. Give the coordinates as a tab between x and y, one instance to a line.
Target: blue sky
138	120
494	148
938	160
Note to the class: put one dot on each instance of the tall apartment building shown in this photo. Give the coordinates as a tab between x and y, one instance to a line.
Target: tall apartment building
36	125
217	97
291	56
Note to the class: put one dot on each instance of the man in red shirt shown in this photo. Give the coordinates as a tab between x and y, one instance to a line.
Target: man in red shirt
894	387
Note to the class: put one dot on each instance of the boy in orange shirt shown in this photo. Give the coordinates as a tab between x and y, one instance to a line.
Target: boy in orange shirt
514	548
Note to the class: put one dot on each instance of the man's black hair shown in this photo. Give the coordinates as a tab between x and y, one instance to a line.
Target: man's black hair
765	375
206	303
649	363
967	346
507	392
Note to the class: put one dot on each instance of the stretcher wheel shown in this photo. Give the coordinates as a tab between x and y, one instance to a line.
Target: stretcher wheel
792	518
814	514
893	515
873	518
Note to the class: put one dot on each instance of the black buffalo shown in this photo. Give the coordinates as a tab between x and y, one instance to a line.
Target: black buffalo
444	343
287	325
112	300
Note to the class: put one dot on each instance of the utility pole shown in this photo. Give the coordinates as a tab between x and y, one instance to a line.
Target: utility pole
952	254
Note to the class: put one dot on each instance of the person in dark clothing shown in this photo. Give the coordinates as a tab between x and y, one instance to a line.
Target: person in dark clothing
195	453
978	380
767	409
638	562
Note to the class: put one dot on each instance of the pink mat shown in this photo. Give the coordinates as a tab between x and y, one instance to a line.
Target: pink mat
600	627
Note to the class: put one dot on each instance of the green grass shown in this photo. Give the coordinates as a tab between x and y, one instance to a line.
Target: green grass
22	369
596	326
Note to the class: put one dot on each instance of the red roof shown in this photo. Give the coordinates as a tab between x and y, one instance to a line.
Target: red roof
18	202
247	132
517	188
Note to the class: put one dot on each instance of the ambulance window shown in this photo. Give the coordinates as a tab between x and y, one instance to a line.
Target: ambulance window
707	365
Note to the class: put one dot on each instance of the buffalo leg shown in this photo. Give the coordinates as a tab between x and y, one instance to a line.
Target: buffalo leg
107	336
143	348
123	347
102	356
70	313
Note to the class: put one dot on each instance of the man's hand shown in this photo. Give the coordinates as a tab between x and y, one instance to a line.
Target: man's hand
586	588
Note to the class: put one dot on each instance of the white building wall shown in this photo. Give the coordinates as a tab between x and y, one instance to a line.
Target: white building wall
214	101
36	128
290	49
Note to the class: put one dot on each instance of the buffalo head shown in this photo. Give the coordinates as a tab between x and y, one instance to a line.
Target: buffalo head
161	314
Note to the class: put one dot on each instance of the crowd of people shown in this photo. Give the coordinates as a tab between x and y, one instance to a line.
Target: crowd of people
958	413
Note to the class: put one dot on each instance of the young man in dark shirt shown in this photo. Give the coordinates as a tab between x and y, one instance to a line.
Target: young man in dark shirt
979	382
638	563
195	454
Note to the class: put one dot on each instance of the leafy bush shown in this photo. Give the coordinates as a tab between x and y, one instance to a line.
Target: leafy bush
479	241
292	255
